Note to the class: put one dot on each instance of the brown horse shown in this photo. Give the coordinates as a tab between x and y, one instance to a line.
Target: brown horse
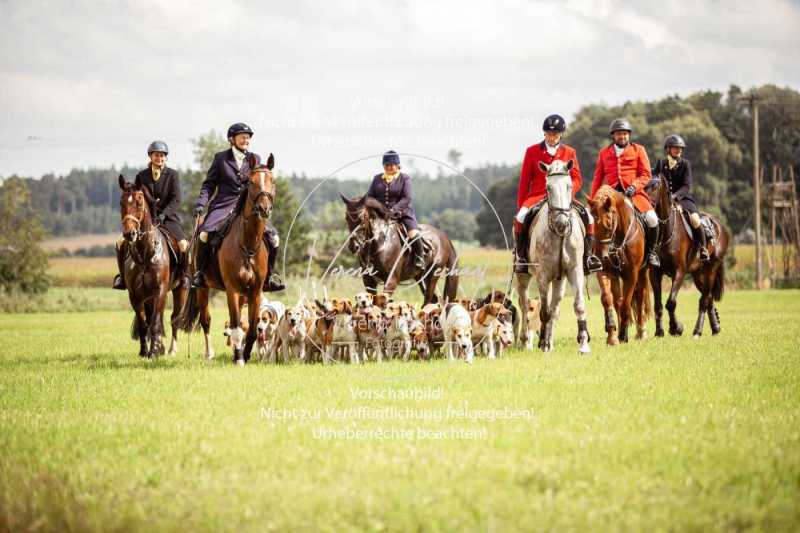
148	274
378	241
240	266
678	256
620	244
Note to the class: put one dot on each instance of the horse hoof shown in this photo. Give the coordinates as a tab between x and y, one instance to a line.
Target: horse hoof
659	333
715	331
696	336
240	362
210	356
612	341
584	350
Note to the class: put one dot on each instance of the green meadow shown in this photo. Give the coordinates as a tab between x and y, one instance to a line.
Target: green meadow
661	434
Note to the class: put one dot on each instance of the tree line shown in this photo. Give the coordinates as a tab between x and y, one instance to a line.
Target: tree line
716	125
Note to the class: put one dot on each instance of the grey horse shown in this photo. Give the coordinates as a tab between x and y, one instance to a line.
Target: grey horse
556	254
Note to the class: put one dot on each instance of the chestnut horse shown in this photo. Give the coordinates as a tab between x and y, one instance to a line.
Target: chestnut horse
376	240
240	266
620	244
678	256
148	274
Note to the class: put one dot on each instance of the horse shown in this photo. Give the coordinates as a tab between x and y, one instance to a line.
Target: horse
556	239
148	274
678	256
240	265
378	242
621	245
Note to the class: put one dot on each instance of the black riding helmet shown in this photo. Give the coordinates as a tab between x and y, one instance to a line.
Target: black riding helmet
239	127
554	124
619	124
158	146
674	140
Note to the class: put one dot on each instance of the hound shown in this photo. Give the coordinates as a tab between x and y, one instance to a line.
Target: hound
457	330
483	320
291	334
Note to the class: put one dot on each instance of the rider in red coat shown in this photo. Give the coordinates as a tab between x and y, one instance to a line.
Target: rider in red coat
532	191
624	166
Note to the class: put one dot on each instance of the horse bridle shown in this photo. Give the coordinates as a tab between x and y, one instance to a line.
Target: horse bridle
614	250
553	212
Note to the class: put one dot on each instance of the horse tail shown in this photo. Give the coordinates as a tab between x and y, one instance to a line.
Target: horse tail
451	279
719	283
188	318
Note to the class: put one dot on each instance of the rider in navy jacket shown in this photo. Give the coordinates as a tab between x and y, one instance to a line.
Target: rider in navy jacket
392	188
226	181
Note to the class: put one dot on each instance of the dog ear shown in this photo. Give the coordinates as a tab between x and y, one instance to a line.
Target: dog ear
320	305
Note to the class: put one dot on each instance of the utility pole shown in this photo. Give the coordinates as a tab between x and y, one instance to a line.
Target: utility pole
756	187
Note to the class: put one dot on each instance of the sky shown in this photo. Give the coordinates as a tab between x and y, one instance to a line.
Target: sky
90	84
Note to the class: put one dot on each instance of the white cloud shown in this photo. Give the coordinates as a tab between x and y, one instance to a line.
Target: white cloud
327	82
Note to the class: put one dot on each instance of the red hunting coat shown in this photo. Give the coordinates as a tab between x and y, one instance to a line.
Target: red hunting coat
631	168
533	181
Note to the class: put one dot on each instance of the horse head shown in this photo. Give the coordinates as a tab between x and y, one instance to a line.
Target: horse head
604	208
261	188
360	214
134	212
559	192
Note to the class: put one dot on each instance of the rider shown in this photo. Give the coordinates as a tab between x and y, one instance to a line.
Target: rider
392	188
163	199
624	166
678	173
532	191
228	177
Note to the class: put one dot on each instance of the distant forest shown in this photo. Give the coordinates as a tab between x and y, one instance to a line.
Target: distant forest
717	128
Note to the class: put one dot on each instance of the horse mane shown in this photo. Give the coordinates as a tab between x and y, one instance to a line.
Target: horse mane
606	192
376	206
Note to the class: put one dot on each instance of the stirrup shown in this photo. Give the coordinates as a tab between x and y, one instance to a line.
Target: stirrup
704	254
593	266
273	283
653	260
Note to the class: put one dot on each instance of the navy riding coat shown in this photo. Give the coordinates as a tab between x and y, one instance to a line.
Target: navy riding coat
222	188
396	196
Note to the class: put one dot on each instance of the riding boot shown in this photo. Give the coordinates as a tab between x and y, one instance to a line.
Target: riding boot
119	279
651	243
591	263
418	249
203	253
702	245
272	282
521	252
183	268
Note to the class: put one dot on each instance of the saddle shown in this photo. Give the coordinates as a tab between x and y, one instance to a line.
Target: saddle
215	238
705	224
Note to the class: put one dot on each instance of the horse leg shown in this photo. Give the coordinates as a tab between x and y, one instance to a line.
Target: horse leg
628	286
370	283
656	276
253	306
544	314
237	333
607	298
702	306
640	309
429	291
205	320
140	318
157	322
675	327
576	279
557	290
525	339
713	318
178	301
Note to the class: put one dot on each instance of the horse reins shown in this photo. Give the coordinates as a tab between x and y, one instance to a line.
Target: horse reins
613	249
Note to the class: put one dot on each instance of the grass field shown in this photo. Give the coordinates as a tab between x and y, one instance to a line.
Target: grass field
665	434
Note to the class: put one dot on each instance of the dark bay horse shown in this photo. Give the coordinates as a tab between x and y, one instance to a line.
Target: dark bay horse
620	244
148	274
240	266
678	255
384	256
